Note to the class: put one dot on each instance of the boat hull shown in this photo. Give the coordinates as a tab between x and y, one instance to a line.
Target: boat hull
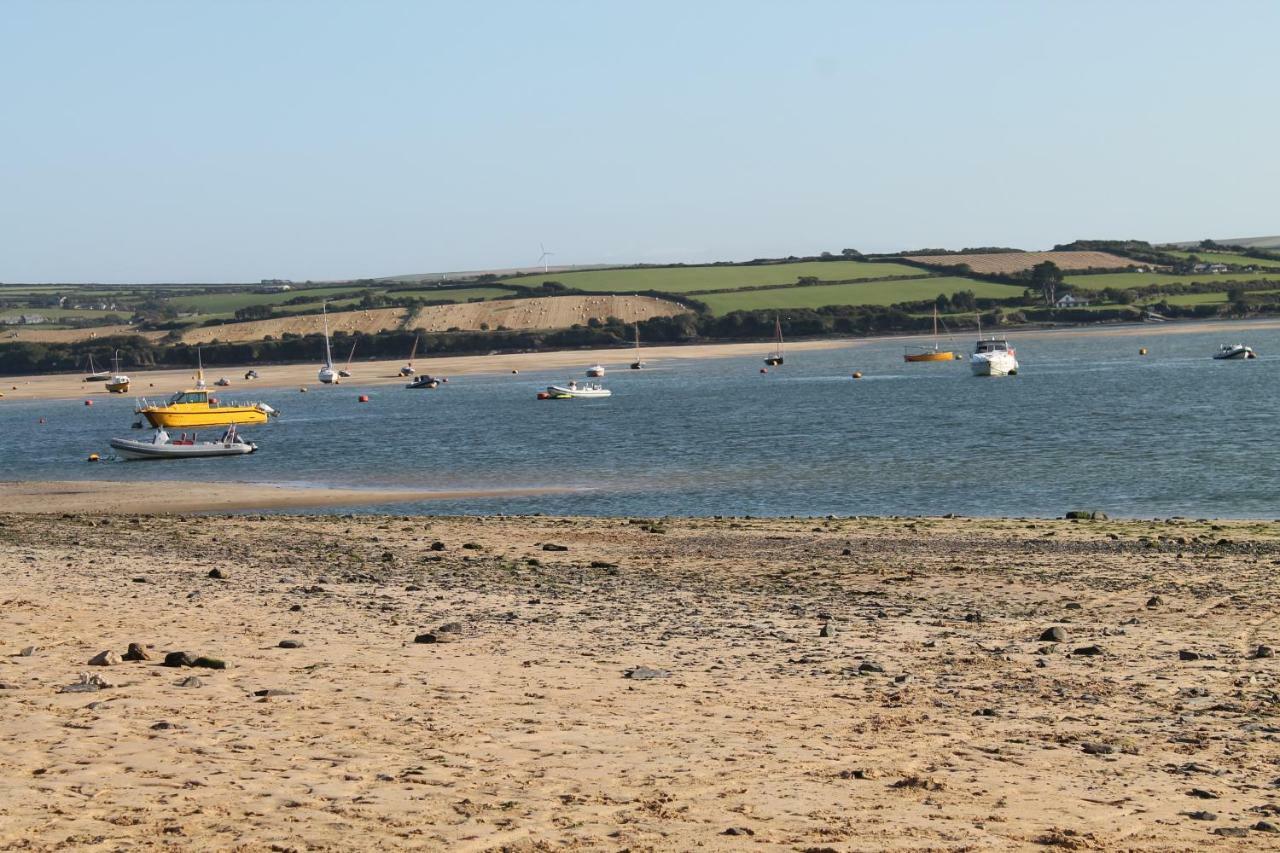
147	450
1002	364
118	387
931	355
559	392
161	418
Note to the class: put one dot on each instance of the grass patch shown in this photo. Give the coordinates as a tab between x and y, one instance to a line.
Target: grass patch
869	293
462	294
1228	258
690	279
213	303
1142	279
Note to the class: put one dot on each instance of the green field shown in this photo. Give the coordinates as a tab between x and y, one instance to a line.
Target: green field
1142	279
1218	298
1228	258
213	303
690	279
452	294
871	293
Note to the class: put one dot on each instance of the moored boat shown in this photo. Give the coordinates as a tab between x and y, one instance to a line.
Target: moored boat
595	371
162	446
574	391
118	383
994	357
424	381
1232	352
195	408
408	370
96	375
638	364
776	357
934	353
327	374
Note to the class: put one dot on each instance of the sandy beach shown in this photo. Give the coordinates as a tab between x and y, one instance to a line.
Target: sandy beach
819	685
161	383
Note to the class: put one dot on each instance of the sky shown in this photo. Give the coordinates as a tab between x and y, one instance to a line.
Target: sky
235	141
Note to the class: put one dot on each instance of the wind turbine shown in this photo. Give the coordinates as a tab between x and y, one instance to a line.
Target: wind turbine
542	259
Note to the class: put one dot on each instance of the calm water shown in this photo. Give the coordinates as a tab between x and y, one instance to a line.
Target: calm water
1088	423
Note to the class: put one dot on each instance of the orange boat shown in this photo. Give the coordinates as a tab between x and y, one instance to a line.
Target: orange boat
918	353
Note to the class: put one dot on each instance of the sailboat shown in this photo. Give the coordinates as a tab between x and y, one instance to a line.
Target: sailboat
345	372
637	364
775	357
96	375
934	353
118	383
407	370
327	375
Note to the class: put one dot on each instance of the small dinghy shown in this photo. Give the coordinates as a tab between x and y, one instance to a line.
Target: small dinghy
574	391
1229	351
424	381
161	446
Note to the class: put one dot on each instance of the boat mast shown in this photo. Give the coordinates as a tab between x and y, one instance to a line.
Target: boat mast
413	350
351	354
777	331
199	368
328	355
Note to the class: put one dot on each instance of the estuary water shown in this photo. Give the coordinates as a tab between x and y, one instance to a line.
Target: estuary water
1088	423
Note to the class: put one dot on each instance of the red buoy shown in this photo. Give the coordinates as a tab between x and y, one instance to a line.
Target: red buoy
543	395
764	370
364	398
88	402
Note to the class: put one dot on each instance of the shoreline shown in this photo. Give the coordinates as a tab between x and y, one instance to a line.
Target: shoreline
385	372
168	497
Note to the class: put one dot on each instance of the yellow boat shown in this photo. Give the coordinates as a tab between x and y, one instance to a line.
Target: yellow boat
918	353
195	408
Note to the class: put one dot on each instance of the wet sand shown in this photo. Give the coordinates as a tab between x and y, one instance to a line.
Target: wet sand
176	496
930	717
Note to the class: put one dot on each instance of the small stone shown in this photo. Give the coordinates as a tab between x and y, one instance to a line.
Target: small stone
191	681
1089	651
1265	826
847	552
136	652
437	546
1263	652
1155	601
870	666
177	659
738	830
827	630
1201	793
272	691
1188	654
437	637
164	725
297	608
290	644
552	547
1202	815
219	574
87	684
974	617
1231	831
643	673
1091	748
107	658
28	651
1073	605
209	663
1055	634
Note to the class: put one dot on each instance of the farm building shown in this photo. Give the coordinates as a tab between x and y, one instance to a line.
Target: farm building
1066	300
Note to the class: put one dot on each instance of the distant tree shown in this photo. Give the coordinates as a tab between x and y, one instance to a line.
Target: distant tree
827	256
942	303
962	269
808	279
851	253
1210	244
964	300
553	286
1236	294
1045	277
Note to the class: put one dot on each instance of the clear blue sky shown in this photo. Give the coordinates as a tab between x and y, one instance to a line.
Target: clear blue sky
233	141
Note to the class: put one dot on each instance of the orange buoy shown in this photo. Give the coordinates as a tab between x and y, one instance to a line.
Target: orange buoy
1142	351
857	374
543	395
93	457
364	398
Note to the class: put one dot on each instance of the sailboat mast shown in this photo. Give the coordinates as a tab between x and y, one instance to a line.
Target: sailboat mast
328	354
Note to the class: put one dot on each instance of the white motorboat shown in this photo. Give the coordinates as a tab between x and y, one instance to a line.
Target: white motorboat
573	391
424	381
595	372
161	446
1236	351
327	375
994	357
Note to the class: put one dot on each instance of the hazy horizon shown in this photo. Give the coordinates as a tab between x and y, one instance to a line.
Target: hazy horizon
234	142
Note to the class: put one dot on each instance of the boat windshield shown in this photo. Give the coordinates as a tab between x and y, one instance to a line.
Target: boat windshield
189	397
992	346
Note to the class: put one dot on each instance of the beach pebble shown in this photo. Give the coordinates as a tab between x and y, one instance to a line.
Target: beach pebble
1188	654
164	725
87	684
827	630
1155	601
437	637
549	546
1073	605
1091	748
219	574
1201	793
1263	652
28	651
8	685
177	659
1265	826
1055	634
642	673
272	691
870	666
437	546
1202	815
1089	651
190	681
105	658
296	608
738	830
1231	831
136	652
290	644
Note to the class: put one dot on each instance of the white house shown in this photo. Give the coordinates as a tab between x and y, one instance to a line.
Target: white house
1066	300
